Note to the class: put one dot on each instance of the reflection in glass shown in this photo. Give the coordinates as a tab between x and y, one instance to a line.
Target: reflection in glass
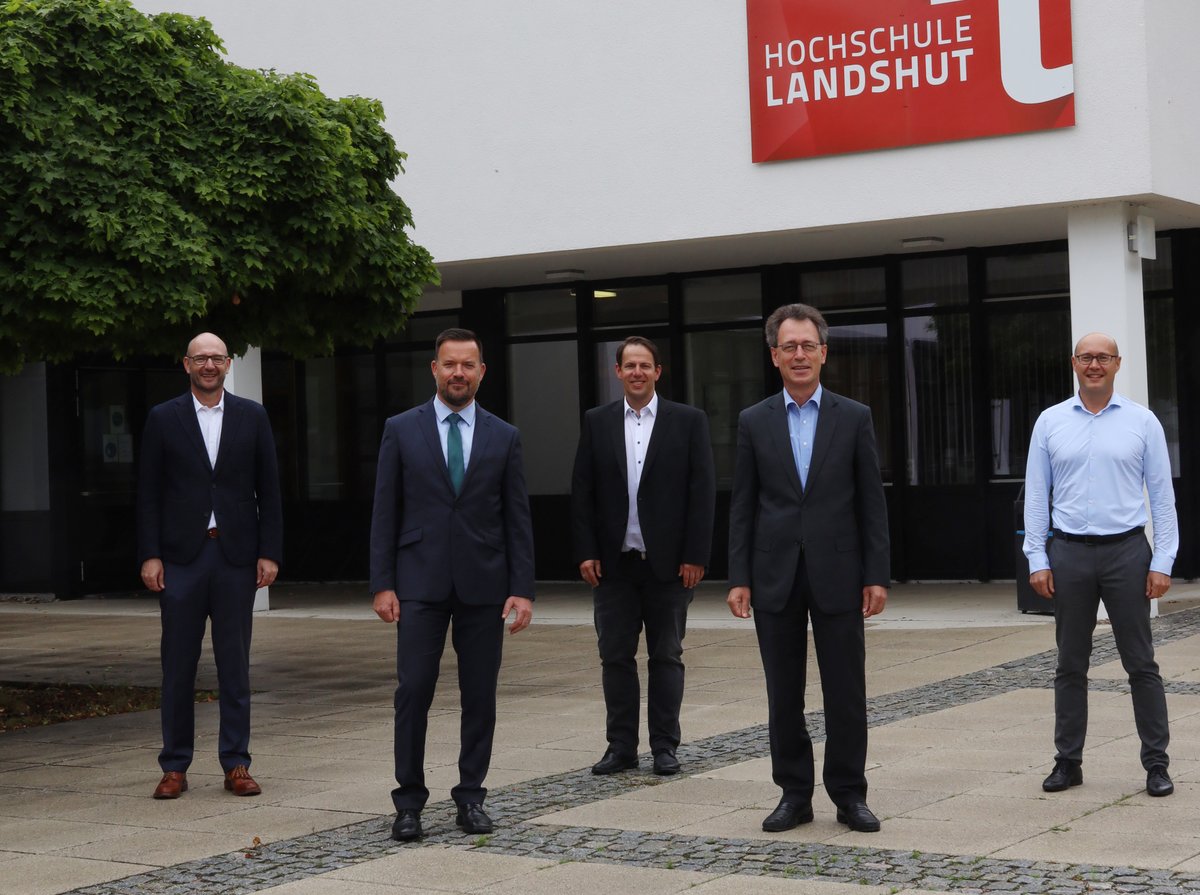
937	391
724	376
629	304
1157	273
1030	370
933	282
715	299
856	367
545	407
850	287
1028	273
341	436
409	379
540	311
1162	385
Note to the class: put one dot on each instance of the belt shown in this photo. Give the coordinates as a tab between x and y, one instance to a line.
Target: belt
1097	540
213	533
634	554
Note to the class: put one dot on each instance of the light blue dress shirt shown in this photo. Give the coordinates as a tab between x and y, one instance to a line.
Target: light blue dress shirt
466	428
1091	467
802	427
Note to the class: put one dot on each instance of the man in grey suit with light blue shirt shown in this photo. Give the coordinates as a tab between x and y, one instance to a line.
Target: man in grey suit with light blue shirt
1089	459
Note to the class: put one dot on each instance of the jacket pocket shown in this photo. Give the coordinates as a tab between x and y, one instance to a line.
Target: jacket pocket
408	537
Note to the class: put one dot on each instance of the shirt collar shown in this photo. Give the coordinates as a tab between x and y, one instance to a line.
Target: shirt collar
651	408
204	408
788	400
443	410
1117	400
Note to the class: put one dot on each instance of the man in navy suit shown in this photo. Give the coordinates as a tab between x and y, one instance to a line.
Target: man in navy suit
451	540
642	498
210	532
808	540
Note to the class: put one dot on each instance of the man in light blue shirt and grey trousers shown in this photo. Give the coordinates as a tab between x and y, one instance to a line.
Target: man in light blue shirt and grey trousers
1089	458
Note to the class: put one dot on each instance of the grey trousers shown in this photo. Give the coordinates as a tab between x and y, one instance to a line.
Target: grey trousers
1083	577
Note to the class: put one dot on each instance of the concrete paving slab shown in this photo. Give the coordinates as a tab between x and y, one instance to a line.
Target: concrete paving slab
626	814
328	885
444	869
574	877
159	848
759	885
42	835
50	874
1153	850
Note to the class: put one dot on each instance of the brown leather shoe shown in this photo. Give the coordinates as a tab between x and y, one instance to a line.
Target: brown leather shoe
240	783
172	785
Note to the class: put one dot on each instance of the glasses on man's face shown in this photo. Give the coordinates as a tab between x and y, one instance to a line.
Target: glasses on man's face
1085	360
788	349
203	360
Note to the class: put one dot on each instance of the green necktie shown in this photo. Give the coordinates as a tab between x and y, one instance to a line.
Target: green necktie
454	452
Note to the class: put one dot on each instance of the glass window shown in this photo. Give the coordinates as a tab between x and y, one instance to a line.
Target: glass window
1156	274
24	451
341	436
540	311
1029	371
724	376
279	397
857	367
619	305
848	287
938	406
409	380
425	327
1160	361
713	299
545	407
608	386
1028	273
933	282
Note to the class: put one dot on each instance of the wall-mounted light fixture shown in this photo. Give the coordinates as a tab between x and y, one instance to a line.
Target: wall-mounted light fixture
921	242
1141	236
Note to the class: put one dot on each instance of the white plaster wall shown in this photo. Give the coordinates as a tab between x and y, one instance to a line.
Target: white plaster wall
1174	100
542	125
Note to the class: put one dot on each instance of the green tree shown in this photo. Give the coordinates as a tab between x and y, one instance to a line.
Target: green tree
149	189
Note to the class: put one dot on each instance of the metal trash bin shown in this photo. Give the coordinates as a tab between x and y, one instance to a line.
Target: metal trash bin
1027	598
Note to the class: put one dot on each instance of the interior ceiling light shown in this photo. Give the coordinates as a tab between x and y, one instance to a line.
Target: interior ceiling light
921	242
603	293
565	273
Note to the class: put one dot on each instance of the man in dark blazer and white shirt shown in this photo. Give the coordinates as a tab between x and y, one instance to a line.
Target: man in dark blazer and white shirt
808	539
451	539
642	498
210	532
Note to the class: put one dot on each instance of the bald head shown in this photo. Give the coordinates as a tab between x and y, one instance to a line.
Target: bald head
206	343
1097	343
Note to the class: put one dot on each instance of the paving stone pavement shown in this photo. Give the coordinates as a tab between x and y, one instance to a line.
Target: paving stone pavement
517	806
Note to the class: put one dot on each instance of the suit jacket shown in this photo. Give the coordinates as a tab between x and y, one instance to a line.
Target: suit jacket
426	543
839	521
675	495
179	489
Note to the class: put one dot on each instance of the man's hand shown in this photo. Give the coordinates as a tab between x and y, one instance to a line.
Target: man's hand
524	610
267	570
739	601
1157	584
874	596
691	575
387	606
589	569
152	575
1042	582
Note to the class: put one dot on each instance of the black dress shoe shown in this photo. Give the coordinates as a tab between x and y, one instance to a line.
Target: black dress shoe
1158	781
473	819
859	818
788	815
613	762
1065	774
407	826
665	763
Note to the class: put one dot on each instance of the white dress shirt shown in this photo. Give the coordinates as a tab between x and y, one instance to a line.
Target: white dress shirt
638	428
210	419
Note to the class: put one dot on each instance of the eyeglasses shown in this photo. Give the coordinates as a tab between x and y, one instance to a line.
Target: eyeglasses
1085	360
787	349
202	360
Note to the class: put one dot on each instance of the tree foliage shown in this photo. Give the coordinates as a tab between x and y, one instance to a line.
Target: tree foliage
150	189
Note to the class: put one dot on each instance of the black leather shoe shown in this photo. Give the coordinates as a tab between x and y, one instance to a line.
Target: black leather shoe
859	818
788	815
1158	781
612	762
1065	774
665	763
473	819
407	826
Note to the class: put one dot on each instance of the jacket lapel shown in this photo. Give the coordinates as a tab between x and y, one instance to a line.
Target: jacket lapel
480	439
777	423
657	435
827	420
231	420
185	411
616	431
427	422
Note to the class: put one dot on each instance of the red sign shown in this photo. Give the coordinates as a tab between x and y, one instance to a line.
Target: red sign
832	76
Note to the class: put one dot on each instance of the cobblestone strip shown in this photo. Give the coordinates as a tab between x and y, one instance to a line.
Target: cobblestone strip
255	869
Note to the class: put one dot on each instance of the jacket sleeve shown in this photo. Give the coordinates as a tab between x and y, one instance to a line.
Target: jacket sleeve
872	506
518	524
584	536
385	512
743	504
702	492
266	488
150	491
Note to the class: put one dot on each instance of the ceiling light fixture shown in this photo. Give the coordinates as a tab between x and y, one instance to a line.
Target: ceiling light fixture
565	273
921	242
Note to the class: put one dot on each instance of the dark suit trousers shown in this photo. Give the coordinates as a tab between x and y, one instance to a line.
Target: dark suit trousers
206	588
841	658
1116	574
628	599
477	634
